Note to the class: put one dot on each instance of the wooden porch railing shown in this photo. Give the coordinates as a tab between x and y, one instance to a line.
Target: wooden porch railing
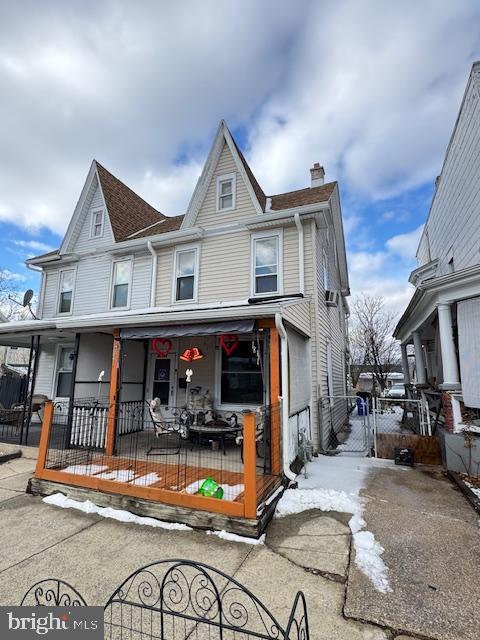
246	508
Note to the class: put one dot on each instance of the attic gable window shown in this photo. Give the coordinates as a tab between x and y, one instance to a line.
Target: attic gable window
226	187
97	223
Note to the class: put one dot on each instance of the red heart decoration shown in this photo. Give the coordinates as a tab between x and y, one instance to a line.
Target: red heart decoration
229	343
162	346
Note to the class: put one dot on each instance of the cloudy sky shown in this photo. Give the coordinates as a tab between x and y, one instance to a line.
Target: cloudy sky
371	90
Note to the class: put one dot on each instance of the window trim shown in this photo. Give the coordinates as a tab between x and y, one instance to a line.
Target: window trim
59	347
229	406
112	284
278	233
59	291
185	249
92	223
223	178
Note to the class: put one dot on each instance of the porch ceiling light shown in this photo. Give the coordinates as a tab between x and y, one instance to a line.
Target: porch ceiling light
189	355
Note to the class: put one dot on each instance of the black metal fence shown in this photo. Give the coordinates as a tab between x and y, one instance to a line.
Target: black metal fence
179	599
174	449
13	391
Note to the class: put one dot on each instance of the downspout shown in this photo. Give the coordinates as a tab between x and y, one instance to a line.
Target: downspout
153	288
285	435
301	254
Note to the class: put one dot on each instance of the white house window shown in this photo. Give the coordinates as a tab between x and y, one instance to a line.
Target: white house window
241	375
122	275
97	224
67	280
64	372
266	264
226	192
185	275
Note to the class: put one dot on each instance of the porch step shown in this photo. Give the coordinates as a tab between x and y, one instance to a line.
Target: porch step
205	520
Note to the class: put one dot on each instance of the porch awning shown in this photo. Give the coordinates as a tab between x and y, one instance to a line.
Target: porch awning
183	330
468	320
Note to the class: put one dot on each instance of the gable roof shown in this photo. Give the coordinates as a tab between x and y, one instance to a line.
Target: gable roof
310	195
261	197
127	211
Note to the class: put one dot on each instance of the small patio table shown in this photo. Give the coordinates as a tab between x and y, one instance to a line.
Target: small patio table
216	431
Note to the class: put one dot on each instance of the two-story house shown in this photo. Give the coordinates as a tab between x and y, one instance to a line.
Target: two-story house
442	320
235	309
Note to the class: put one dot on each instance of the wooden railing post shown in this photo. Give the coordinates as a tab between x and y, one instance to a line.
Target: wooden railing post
44	437
275	393
112	401
249	466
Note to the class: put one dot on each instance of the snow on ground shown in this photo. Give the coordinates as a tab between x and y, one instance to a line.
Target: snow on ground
59	500
233	537
85	469
334	484
476	490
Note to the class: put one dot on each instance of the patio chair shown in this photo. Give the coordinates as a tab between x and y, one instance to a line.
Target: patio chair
11	417
169	431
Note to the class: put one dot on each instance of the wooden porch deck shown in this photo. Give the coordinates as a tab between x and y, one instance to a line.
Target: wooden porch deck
184	479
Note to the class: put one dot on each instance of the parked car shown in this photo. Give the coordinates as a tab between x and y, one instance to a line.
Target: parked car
396	391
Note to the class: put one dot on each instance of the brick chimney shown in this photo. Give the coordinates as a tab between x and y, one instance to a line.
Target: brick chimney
318	175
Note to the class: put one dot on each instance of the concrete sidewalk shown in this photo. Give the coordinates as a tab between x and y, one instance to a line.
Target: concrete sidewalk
95	555
432	550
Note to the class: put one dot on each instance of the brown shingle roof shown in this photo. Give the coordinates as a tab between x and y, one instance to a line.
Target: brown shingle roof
128	212
170	223
261	197
301	197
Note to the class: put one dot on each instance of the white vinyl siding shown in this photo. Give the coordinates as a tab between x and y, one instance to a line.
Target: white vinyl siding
82	239
208	216
455	208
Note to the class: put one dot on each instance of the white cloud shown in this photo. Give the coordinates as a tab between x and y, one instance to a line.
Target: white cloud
33	244
405	244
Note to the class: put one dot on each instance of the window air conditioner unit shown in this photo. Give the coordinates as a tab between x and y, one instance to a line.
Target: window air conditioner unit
331	298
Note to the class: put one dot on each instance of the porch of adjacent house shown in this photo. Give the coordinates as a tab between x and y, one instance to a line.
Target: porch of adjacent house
224	424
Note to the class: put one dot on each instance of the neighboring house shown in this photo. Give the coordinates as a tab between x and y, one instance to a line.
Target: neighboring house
442	320
13	357
257	283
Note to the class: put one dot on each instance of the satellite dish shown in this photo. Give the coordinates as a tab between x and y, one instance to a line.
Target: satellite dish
27	298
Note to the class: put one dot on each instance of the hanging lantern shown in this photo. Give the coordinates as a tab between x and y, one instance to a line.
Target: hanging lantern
191	354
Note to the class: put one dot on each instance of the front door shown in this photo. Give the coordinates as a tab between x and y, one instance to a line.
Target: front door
163	376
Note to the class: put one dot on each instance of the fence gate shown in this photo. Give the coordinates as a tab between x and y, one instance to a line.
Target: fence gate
399	416
345	425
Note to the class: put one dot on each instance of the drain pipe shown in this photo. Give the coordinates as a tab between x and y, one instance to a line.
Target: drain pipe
285	435
301	253
153	288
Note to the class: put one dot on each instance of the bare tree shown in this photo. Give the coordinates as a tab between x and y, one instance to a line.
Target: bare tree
8	308
371	343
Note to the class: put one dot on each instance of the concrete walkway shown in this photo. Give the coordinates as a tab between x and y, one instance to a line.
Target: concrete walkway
432	550
430	535
95	555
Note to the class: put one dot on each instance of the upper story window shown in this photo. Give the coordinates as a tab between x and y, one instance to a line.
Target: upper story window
97	223
226	187
65	297
266	268
121	283
186	268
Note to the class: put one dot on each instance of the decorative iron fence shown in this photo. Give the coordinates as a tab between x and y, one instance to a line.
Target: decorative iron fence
179	599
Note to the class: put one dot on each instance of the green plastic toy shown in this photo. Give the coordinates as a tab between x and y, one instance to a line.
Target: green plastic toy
210	489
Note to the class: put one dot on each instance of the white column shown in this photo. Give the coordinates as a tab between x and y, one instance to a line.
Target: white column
451	379
405	367
419	361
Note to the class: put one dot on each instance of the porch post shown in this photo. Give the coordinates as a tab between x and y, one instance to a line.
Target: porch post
405	367
419	359
71	398
249	466
112	403
451	379
275	393
36	351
